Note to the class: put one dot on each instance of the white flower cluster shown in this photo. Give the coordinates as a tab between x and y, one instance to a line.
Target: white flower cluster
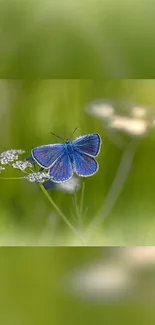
131	119
135	127
9	156
116	277
102	109
37	177
22	165
103	281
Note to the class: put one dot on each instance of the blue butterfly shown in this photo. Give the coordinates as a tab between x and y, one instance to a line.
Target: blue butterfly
63	160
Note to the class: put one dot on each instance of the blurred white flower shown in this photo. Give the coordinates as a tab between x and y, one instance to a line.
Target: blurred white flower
139	111
2	168
69	186
10	155
139	257
102	109
134	120
135	127
22	165
106	282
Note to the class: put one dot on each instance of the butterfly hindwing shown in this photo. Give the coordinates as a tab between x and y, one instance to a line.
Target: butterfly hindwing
47	155
62	170
49	185
84	165
88	144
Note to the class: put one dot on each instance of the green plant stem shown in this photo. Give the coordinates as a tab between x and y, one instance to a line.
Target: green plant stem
117	185
58	210
11	178
76	205
82	199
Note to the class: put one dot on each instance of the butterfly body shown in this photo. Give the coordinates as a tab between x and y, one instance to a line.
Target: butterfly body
63	160
69	148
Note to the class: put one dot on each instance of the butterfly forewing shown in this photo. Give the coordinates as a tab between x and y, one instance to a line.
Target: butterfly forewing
47	155
62	170
88	144
84	165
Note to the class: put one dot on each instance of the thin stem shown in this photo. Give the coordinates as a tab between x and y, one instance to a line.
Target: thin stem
76	205
79	209
11	178
117	185
58	210
82	199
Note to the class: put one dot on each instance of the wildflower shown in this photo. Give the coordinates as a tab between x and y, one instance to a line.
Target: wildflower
2	168
139	112
131	126
133	120
10	156
22	165
102	109
102	281
40	177
139	257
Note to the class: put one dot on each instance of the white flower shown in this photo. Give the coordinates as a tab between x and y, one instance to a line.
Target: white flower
2	168
22	165
10	156
37	177
131	126
134	120
102	109
139	111
138	257
104	281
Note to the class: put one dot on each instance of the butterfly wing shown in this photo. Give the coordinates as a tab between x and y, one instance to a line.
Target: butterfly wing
49	185
84	165
62	170
89	144
47	155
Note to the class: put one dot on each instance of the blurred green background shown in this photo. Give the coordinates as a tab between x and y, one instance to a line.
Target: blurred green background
77	39
33	280
30	110
72	39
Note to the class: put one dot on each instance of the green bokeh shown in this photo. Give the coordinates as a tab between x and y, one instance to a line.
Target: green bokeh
32	289
77	39
30	110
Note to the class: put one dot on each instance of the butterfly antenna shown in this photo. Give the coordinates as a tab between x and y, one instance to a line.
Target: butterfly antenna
57	136
73	132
